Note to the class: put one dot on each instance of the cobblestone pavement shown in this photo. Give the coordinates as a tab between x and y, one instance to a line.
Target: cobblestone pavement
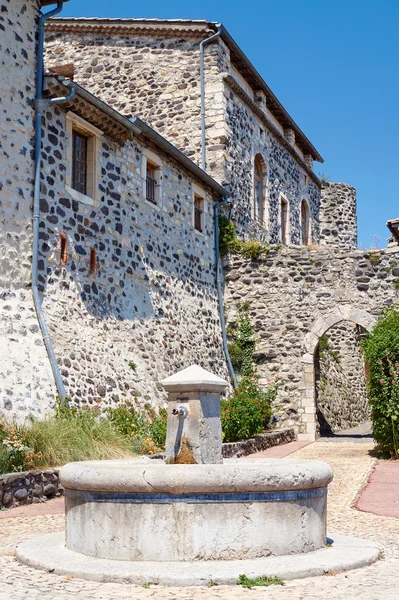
351	463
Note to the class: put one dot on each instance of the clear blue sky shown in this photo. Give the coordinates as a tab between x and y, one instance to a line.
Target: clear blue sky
334	66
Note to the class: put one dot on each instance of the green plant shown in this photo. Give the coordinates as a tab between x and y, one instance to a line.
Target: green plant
374	257
145	430
248	411
325	349
242	348
146	585
132	365
229	242
263	580
381	352
324	177
211	583
396	283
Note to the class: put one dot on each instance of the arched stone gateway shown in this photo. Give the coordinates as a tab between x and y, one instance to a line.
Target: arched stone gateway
310	344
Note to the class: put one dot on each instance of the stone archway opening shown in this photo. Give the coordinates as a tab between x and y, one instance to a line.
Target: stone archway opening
340	379
309	427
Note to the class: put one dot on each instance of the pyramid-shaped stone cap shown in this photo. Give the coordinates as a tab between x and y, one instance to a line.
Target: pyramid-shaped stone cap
194	378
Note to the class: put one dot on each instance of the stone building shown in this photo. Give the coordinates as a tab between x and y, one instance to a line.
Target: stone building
151	67
126	289
126	265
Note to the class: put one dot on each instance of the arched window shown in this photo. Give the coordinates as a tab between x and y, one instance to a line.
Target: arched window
305	223
284	220
259	189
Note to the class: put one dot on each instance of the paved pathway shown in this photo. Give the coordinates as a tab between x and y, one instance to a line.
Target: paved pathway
351	463
381	495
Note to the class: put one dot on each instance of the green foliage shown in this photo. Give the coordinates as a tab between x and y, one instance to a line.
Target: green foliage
132	365
247	412
145	430
227	234
68	436
381	352
262	581
242	349
374	257
229	242
396	283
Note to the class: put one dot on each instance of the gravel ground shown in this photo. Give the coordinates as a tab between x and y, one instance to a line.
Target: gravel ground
352	465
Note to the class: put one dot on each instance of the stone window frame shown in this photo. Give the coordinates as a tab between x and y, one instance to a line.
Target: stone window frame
305	202
94	142
264	222
284	200
151	158
199	193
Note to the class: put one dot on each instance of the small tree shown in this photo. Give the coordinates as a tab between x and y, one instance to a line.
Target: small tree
381	352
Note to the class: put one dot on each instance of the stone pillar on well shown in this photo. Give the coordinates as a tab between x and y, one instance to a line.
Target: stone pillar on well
194	431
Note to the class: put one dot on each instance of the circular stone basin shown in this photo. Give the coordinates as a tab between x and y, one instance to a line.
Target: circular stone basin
135	511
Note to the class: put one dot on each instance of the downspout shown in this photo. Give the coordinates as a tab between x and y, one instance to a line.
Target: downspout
40	105
202	84
220	293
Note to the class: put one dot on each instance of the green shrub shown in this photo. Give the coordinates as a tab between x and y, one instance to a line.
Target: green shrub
247	412
242	348
262	581
146	431
381	352
229	242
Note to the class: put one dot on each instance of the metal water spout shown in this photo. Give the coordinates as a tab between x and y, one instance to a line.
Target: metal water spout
194	431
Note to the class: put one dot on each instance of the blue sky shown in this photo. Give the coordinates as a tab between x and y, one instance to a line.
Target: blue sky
334	66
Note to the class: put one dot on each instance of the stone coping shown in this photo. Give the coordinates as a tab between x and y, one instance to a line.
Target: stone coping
49	552
150	477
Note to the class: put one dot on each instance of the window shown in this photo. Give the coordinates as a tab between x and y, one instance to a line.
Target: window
151	183
284	220
305	223
198	212
259	189
63	250
79	162
93	262
83	165
151	171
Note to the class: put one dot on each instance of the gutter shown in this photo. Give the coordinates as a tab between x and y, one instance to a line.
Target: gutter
202	85
220	292
40	106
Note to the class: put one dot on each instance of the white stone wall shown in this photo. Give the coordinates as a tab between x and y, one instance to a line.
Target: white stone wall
152	301
26	382
338	216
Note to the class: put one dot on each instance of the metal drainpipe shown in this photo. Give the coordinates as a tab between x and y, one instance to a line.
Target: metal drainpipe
202	83
40	105
220	294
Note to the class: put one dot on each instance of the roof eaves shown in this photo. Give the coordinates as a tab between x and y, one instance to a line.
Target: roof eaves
136	126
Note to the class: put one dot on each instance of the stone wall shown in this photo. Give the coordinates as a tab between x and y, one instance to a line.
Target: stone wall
150	309
29	487
156	77
26	382
295	296
338	216
341	391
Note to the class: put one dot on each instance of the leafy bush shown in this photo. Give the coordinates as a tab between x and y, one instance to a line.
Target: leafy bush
247	412
146	431
242	348
381	352
229	242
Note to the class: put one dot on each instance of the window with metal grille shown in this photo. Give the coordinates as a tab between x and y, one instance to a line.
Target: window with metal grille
79	162
63	250
151	184
198	212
